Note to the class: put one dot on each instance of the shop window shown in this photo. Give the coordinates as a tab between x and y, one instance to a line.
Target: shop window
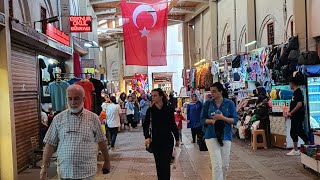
270	34
10	8
228	44
291	27
43	16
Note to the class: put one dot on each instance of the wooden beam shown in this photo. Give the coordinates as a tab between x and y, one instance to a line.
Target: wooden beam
93	2
184	10
199	9
109	11
199	1
180	18
172	4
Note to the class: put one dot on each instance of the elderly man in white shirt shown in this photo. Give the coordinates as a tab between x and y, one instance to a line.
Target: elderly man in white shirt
75	133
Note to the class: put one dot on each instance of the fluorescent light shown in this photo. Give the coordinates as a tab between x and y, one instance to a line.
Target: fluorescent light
251	43
196	64
101	49
95	43
87	45
50	61
203	60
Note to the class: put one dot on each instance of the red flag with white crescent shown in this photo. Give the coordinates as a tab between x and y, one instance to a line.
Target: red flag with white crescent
145	32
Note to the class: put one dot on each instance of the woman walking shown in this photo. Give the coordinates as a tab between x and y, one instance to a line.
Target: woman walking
193	117
163	125
144	105
113	112
218	110
123	116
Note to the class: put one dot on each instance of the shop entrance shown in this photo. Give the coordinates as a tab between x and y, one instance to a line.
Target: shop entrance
163	81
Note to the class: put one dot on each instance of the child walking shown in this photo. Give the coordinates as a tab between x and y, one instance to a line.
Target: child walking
178	117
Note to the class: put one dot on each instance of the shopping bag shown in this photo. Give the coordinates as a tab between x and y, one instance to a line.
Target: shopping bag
175	155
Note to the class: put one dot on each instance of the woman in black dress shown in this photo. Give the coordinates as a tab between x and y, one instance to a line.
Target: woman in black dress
163	126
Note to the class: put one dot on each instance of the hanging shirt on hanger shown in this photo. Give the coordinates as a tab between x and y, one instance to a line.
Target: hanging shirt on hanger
88	88
98	86
57	91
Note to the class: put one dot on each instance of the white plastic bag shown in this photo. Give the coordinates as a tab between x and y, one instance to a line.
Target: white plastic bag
176	153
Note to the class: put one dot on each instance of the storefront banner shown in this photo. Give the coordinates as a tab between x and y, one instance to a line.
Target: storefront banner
58	35
87	63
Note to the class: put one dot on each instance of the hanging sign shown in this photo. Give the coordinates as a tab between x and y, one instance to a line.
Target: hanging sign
57	35
80	23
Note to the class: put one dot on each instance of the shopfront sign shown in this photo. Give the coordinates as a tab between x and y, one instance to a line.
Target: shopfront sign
80	23
2	19
87	63
57	35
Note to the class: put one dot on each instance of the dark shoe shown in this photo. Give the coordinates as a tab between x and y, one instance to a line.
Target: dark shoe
193	141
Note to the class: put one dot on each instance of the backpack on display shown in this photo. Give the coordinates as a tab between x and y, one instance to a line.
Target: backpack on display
293	43
293	60
309	58
236	62
284	56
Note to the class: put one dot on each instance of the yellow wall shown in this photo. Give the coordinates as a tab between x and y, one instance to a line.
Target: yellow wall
8	162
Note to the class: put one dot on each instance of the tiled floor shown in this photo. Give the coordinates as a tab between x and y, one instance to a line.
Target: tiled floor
132	162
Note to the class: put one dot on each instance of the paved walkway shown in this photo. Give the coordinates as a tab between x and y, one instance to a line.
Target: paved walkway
132	162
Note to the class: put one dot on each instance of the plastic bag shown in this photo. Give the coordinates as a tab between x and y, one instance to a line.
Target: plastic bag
175	154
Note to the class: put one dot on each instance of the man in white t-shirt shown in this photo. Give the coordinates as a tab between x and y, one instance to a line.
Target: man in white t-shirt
130	111
113	112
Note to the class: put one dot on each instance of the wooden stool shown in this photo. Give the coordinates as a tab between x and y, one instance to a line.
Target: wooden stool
254	140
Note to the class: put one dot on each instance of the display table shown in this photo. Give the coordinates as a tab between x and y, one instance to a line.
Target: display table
310	162
280	132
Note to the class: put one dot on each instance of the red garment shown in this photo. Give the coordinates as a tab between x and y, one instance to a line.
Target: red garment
178	118
145	32
88	88
76	65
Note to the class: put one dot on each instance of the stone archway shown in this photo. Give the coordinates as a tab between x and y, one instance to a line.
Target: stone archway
287	28
223	47
242	35
49	8
208	51
266	20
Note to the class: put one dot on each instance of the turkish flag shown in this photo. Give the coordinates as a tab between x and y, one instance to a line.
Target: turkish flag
145	32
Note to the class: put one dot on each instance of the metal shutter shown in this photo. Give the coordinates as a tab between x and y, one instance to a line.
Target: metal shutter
26	105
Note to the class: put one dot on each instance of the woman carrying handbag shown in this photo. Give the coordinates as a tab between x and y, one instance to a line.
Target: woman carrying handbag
161	118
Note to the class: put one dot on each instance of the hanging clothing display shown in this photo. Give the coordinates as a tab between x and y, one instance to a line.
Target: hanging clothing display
88	88
57	91
76	65
74	80
98	87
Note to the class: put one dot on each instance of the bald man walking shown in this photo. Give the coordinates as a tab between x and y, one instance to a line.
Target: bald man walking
75	133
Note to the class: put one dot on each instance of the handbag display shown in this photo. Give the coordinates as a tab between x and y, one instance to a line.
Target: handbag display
236	62
309	58
293	43
150	148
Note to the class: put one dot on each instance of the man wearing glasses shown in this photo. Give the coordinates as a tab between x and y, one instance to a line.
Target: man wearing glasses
75	133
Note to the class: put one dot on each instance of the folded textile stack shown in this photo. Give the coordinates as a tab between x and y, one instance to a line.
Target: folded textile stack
312	151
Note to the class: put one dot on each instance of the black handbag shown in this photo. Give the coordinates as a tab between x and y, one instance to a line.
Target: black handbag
309	58
150	147
293	43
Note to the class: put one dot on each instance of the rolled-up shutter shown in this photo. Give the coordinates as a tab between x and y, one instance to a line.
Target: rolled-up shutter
26	105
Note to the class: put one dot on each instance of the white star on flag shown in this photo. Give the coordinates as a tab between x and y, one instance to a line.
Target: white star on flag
144	32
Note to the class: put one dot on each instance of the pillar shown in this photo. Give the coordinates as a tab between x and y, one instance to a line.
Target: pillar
251	24
8	160
214	28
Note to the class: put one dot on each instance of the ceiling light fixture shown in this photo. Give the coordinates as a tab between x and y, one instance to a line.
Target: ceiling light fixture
251	43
